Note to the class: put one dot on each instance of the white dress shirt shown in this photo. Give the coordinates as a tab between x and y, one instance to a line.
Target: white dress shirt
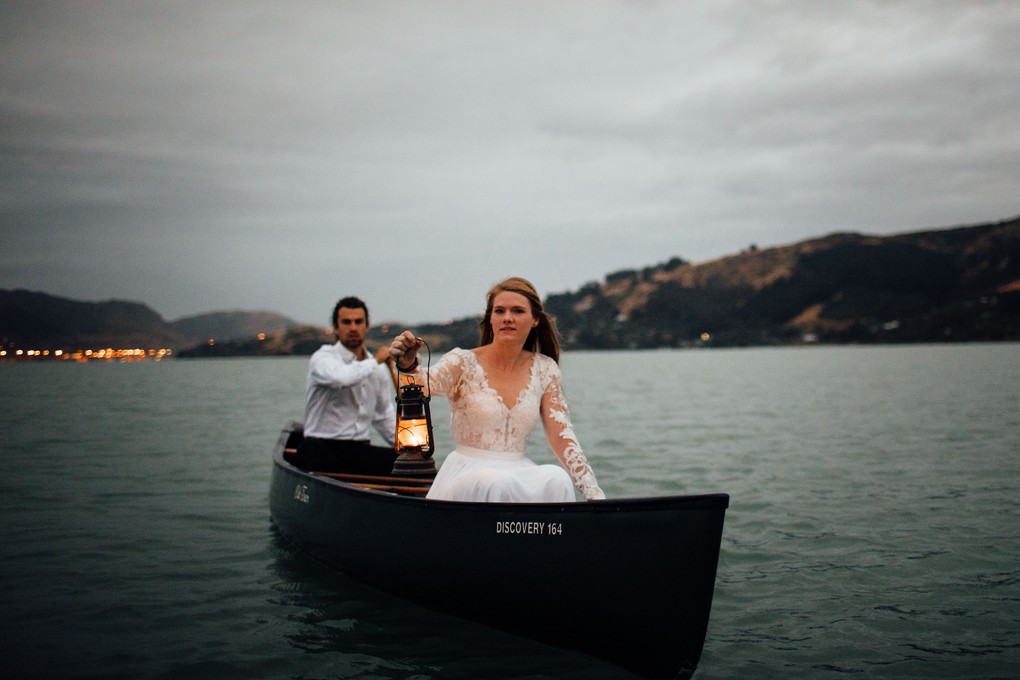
345	396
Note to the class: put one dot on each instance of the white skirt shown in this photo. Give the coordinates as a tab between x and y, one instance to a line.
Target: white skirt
470	474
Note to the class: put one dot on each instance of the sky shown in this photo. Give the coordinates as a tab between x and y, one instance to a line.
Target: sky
261	155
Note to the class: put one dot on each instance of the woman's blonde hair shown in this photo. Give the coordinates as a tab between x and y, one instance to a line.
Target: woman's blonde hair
543	338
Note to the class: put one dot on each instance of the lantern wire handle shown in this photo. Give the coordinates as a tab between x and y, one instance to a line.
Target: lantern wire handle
428	365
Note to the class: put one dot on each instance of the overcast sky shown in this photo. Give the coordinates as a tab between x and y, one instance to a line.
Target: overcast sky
204	156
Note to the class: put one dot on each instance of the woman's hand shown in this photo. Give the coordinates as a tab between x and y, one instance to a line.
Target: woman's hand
404	350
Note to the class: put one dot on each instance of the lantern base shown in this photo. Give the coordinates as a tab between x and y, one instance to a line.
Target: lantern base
410	463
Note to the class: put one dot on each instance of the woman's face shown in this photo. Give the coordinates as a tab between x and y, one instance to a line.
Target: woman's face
511	317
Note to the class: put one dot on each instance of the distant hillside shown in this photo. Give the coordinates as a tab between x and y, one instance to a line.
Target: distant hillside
229	326
948	285
958	284
294	340
35	320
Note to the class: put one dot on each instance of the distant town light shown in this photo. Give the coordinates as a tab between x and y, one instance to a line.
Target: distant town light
85	355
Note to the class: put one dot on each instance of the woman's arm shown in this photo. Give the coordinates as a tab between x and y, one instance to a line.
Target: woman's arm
439	379
560	433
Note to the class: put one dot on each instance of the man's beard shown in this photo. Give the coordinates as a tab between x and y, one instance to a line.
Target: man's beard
353	345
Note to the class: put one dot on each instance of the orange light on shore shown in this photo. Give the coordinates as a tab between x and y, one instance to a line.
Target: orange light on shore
123	355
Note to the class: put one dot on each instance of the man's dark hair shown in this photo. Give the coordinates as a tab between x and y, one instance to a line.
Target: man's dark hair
349	303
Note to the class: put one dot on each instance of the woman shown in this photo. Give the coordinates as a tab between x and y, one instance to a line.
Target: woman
498	392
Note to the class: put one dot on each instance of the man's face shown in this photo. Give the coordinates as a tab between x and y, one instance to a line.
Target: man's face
351	327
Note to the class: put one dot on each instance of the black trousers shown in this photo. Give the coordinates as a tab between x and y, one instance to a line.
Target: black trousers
338	455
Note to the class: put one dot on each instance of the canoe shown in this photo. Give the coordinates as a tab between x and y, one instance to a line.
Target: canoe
628	581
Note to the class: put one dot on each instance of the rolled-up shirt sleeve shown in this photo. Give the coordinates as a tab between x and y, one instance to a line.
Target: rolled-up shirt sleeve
346	397
329	370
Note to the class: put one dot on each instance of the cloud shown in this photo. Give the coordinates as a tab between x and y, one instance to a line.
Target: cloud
201	156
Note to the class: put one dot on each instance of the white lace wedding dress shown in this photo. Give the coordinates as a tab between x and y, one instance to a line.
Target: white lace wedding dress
489	463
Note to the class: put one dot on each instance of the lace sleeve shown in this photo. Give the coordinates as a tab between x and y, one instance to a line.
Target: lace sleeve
441	379
560	432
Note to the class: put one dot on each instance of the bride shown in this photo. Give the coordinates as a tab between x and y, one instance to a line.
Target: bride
498	392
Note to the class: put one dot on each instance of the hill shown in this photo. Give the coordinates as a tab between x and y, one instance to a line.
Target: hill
958	284
292	340
229	326
40	321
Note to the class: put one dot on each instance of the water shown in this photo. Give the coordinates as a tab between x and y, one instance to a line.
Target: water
873	526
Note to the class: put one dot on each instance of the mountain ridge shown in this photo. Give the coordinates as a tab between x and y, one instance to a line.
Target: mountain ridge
844	287
934	285
33	319
951	284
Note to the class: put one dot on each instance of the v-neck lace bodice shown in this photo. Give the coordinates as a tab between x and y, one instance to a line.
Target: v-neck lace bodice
484	380
480	419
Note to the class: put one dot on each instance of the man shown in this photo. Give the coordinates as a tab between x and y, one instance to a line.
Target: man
348	390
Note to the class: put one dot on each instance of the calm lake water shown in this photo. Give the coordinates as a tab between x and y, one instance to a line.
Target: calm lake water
874	525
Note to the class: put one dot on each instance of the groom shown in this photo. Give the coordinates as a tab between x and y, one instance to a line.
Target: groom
348	390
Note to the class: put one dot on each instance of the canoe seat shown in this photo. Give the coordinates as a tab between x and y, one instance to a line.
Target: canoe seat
401	490
406	486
